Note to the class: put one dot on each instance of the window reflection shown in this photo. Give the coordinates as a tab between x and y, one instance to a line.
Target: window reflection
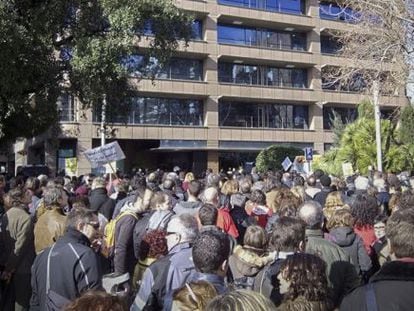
274	39
240	114
284	6
329	10
346	115
196	34
154	110
66	108
143	66
262	75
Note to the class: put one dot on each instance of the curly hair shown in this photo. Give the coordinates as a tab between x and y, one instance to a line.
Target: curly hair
307	277
364	210
97	301
406	200
153	244
258	197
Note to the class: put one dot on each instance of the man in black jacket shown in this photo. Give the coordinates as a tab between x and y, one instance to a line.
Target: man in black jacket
100	201
73	264
392	287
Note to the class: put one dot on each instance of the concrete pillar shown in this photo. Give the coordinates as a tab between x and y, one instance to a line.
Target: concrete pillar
213	160
316	117
83	144
51	156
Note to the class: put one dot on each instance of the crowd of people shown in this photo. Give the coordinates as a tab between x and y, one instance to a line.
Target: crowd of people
170	241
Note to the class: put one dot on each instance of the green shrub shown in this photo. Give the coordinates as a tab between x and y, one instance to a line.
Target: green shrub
272	157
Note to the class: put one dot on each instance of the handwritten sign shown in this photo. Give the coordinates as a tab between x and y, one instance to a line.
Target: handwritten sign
104	154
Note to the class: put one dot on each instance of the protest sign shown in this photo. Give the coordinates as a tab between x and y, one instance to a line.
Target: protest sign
347	169
71	166
104	154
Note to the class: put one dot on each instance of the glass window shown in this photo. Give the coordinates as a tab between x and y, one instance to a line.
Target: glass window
261	37
66	108
285	6
240	114
197	27
154	110
346	115
178	68
262	75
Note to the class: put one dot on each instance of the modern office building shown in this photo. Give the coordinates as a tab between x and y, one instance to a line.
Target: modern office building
251	77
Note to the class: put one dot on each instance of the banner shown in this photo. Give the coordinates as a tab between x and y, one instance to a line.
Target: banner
105	154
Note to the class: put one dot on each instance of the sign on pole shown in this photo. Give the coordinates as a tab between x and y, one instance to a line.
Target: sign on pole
104	154
347	169
309	154
287	163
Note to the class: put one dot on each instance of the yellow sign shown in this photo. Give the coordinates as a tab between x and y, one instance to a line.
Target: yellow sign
71	166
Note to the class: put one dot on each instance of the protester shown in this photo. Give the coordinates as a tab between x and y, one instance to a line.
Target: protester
193	296
193	204
247	260
51	225
287	238
304	284
342	234
341	273
210	255
70	267
392	287
99	200
224	220
172	271
241	300
153	246
18	250
97	301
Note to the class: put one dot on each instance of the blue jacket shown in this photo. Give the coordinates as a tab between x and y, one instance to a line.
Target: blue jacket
180	265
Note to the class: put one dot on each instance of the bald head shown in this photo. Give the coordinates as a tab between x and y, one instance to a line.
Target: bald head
311	213
211	196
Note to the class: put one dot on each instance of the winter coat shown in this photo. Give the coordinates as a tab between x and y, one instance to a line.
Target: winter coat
226	223
17	240
160	219
71	274
353	245
48	228
341	273
246	262
393	287
101	203
187	207
367	234
124	257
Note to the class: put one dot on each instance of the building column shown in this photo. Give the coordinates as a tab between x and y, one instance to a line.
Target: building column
51	156
213	160
84	167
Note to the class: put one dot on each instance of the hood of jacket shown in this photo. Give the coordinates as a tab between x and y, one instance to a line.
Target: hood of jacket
248	262
343	236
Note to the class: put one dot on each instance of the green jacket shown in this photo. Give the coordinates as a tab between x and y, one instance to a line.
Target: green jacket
17	236
341	273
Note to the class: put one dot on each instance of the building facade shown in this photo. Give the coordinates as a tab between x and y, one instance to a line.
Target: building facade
251	77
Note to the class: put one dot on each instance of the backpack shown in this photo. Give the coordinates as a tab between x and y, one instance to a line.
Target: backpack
109	233
143	226
266	282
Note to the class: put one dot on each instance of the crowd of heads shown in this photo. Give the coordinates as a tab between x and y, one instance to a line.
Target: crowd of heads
272	214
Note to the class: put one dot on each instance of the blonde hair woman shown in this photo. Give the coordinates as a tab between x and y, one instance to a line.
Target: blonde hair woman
193	296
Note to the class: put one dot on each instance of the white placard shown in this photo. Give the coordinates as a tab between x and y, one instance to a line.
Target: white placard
105	154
